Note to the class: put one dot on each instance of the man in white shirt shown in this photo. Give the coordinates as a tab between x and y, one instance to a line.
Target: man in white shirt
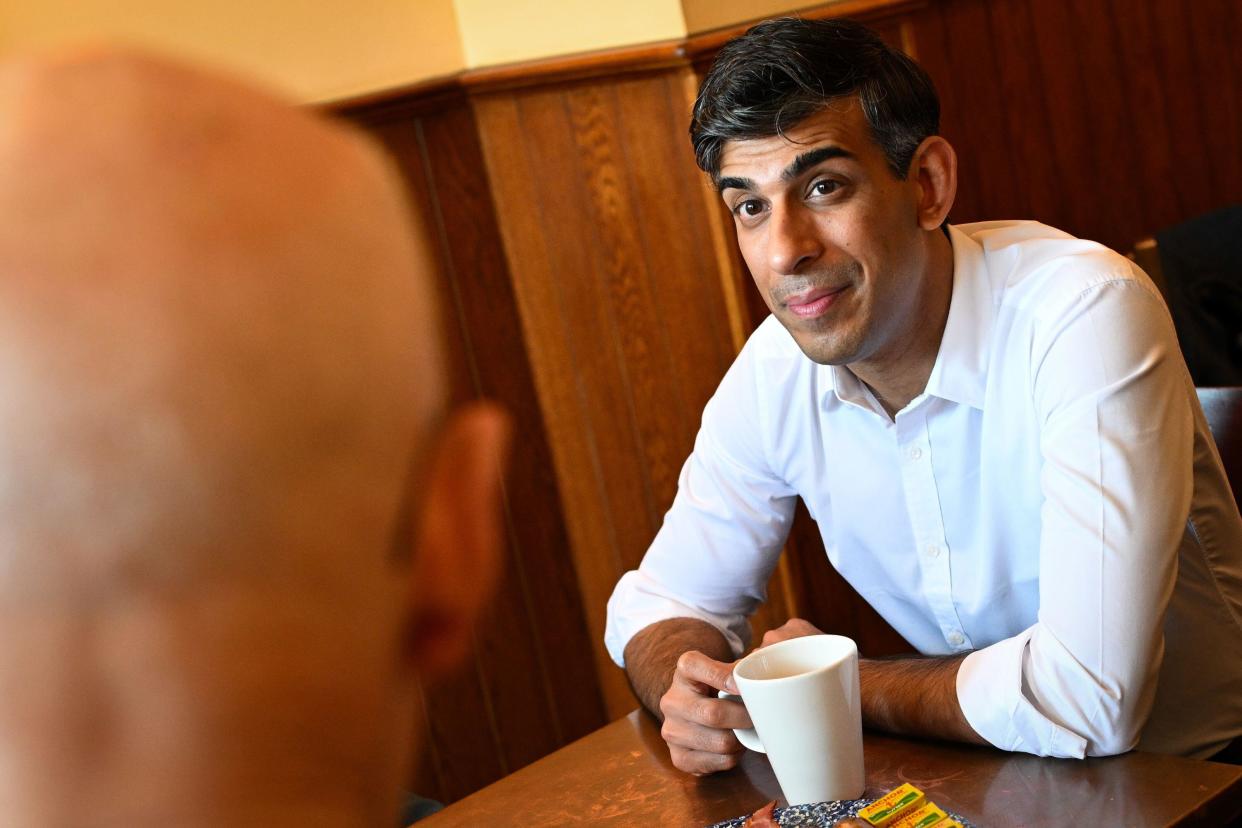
992	425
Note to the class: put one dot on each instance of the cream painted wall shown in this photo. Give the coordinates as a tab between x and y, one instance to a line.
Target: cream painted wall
504	31
313	49
705	15
321	50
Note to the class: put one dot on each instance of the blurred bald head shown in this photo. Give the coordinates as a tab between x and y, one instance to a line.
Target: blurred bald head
208	305
219	379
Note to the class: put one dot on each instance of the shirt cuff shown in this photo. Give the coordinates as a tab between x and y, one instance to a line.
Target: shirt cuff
989	690
638	602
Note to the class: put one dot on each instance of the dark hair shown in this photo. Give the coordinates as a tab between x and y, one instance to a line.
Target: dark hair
782	71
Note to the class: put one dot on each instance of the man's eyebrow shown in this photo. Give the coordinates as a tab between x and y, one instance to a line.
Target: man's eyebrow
800	165
730	182
810	158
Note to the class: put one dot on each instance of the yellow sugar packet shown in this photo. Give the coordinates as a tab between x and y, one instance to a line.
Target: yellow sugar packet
895	803
929	814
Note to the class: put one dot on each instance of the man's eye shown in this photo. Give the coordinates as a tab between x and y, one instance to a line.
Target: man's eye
749	207
824	187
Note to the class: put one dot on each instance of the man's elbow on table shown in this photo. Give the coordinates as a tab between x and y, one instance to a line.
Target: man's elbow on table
1053	706
1113	731
1040	730
1108	707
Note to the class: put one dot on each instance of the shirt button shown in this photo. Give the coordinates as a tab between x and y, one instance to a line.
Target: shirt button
933	551
916	453
956	639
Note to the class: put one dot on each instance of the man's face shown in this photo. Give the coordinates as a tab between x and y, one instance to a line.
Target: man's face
831	237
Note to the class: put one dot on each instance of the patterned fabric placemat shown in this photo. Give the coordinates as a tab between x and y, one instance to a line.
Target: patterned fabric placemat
820	815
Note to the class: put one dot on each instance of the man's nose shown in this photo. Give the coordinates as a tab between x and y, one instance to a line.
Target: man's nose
792	240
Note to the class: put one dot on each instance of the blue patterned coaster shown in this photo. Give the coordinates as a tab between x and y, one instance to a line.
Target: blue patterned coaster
820	815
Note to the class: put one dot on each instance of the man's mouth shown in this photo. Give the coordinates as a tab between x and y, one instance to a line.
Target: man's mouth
813	303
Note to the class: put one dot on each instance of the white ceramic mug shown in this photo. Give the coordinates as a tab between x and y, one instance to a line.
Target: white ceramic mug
803	698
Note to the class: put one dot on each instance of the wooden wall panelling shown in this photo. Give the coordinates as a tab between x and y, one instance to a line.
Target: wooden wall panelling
931	43
528	664
617	213
522	696
1215	29
1035	189
1077	121
648	111
577	360
1119	119
986	167
1113	127
1149	114
1068	131
1184	107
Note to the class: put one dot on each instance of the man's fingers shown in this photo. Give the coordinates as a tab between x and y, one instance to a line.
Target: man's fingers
701	763
793	628
693	666
698	726
720	713
685	733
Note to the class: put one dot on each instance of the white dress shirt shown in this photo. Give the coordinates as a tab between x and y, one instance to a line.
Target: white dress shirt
1052	503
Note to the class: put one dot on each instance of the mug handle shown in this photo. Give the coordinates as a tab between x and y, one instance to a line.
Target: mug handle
747	736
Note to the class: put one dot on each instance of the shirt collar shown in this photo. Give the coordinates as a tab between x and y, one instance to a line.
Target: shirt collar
960	372
848	388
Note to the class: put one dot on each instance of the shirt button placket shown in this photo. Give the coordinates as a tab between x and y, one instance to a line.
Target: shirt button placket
923	502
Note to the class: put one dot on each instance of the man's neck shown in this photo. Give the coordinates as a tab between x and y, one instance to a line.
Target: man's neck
902	375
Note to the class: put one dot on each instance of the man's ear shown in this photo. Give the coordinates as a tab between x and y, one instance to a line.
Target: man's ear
460	528
934	169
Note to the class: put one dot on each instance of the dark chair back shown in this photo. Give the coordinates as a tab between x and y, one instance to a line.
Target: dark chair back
1223	409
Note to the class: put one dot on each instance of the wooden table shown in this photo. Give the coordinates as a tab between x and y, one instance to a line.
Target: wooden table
621	775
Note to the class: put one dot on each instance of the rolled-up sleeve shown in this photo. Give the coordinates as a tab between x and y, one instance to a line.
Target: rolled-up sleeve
721	539
1114	401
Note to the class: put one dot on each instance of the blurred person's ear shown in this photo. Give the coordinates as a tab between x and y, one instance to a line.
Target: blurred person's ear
460	528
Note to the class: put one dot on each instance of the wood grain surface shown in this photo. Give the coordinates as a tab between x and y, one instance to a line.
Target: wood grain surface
1110	120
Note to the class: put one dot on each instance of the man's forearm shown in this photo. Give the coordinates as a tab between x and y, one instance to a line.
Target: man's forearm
651	655
915	696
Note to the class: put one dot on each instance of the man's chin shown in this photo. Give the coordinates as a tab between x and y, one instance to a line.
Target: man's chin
825	358
820	348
